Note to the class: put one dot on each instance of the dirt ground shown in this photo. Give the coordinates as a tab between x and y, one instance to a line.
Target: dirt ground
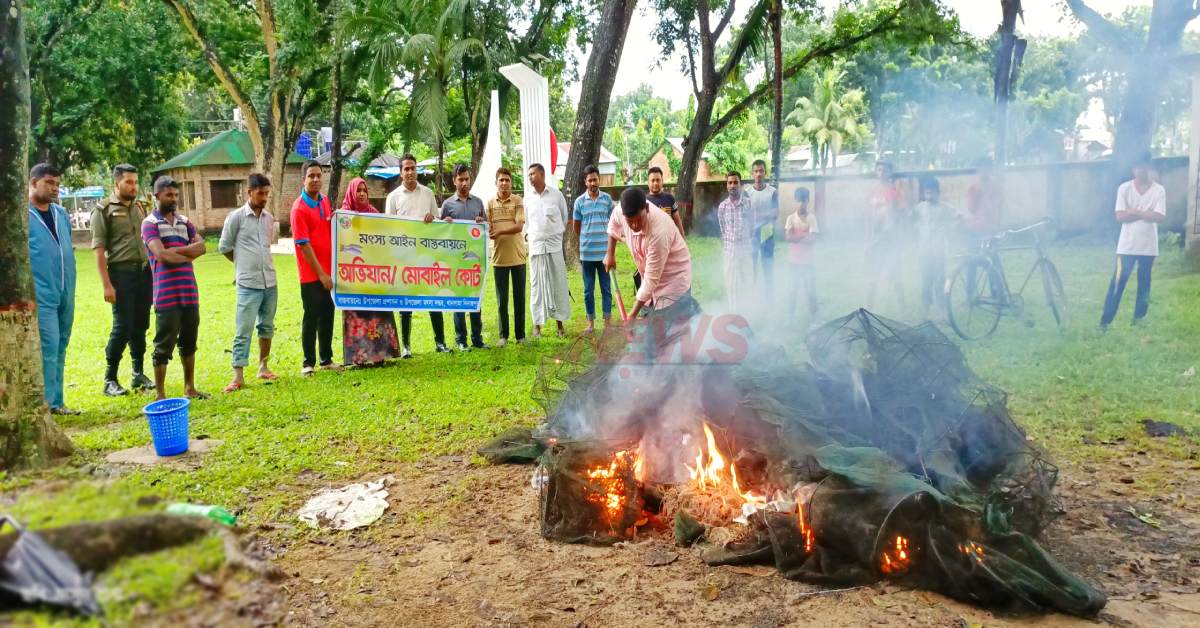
460	547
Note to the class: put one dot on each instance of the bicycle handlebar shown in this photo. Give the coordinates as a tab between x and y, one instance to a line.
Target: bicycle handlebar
1037	225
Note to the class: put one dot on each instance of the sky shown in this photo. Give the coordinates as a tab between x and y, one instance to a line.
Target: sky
979	17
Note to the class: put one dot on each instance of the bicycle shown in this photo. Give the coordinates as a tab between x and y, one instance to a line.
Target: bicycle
979	294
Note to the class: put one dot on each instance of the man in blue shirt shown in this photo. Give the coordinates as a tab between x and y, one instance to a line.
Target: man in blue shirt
467	207
592	211
52	259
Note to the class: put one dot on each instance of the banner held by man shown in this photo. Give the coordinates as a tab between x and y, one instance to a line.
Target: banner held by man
389	263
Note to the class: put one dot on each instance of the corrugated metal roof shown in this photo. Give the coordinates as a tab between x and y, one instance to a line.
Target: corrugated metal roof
228	148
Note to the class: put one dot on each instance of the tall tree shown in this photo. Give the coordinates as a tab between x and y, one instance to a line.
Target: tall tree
699	26
28	435
434	55
1148	59
601	72
552	28
1009	52
95	99
295	78
384	27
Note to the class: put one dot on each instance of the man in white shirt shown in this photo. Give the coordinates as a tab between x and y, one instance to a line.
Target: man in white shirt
413	200
1141	205
546	220
764	210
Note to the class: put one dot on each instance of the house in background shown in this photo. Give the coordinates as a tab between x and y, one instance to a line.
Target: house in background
675	146
382	174
607	164
212	178
800	161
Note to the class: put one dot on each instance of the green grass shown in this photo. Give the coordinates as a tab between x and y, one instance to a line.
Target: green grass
353	424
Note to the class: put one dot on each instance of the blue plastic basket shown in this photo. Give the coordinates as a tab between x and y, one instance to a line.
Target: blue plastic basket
168	425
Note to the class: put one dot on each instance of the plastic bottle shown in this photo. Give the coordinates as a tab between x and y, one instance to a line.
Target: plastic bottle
216	513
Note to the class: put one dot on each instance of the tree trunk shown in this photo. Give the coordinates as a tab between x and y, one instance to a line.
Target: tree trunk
225	77
440	147
335	175
592	112
777	80
693	152
1136	121
1003	78
28	435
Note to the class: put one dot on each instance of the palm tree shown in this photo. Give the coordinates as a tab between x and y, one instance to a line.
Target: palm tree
832	118
377	25
428	48
433	55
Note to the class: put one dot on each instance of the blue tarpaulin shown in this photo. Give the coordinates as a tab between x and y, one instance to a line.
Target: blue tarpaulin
92	191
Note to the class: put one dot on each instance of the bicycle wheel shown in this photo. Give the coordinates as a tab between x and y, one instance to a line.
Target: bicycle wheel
1055	296
974	299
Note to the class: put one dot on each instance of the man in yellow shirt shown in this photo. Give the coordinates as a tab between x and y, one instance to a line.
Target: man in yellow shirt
506	220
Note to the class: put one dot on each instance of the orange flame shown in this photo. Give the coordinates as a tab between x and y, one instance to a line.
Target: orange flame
973	550
610	483
710	472
896	558
805	532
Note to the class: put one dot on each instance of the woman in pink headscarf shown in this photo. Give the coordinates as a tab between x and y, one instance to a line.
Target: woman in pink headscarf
368	338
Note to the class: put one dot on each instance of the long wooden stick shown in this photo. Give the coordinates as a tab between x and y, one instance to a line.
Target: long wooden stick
616	282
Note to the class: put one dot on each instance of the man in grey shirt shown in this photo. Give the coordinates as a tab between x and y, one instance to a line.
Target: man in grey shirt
464	206
246	241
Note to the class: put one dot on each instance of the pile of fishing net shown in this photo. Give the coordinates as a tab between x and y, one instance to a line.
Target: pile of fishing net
890	457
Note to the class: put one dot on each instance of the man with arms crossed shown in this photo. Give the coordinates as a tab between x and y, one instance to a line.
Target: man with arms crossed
1141	205
173	242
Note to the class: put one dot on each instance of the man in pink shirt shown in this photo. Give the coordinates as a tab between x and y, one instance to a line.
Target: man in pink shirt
659	251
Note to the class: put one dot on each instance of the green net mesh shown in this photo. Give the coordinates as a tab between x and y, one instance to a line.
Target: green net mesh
900	461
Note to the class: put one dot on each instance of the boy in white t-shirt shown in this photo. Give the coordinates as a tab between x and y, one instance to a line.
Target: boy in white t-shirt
800	230
1141	205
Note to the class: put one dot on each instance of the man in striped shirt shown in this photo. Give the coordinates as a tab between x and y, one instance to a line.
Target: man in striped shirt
736	222
592	211
172	243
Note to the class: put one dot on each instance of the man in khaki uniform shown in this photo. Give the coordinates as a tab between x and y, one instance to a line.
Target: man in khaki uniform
125	276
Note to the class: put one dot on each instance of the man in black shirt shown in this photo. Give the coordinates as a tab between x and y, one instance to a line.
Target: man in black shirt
662	199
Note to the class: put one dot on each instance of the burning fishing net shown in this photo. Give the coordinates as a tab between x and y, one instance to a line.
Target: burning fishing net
885	457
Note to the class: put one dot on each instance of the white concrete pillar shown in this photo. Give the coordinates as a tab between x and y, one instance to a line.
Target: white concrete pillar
485	180
535	117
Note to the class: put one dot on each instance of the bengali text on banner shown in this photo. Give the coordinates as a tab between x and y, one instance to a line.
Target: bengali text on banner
385	262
